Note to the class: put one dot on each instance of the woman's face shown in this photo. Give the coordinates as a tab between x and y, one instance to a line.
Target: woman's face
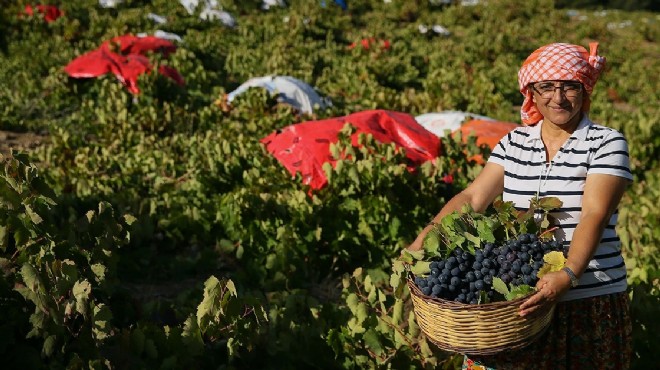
560	102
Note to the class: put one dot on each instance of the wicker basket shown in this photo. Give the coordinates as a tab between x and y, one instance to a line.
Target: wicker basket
482	329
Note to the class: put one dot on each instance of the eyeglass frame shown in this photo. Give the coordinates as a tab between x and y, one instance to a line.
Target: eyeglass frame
561	87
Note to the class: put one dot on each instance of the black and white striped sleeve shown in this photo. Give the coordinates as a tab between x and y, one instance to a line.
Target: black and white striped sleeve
611	156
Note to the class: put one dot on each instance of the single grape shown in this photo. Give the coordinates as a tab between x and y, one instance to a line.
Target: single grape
426	291
524	256
511	256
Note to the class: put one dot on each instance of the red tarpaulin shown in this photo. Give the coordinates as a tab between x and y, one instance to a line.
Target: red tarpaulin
50	12
305	147
127	64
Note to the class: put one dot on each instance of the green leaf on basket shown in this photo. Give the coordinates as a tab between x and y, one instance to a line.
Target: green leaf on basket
474	240
409	256
421	268
518	291
500	286
485	230
431	243
483	297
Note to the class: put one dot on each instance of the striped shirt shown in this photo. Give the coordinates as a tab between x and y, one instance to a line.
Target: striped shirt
592	148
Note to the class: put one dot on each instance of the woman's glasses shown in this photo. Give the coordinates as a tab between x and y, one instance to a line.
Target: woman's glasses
547	89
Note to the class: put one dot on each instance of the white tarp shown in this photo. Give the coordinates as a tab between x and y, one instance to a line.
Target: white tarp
450	120
267	4
110	3
290	91
163	35
191	5
157	18
438	29
209	11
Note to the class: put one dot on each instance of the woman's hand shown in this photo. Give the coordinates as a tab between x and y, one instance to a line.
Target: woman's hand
550	288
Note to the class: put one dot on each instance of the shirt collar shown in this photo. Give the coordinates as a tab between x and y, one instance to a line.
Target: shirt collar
580	132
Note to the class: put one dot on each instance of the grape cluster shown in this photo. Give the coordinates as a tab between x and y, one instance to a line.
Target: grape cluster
464	277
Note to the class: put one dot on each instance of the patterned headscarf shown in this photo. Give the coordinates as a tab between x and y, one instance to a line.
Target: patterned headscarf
558	62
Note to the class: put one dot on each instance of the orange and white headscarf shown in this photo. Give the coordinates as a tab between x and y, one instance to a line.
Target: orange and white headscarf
558	62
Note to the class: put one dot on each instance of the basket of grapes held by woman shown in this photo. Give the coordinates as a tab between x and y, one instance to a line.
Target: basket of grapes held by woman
475	272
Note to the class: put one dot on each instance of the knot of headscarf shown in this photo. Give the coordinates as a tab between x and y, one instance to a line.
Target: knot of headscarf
558	62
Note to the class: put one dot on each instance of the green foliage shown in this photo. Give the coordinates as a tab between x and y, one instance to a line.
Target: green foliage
467	229
185	177
381	331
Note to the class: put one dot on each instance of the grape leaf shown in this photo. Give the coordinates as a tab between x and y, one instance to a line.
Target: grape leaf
431	242
553	261
518	291
421	268
500	286
550	203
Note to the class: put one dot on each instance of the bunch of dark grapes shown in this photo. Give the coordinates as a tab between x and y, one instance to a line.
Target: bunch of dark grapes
464	277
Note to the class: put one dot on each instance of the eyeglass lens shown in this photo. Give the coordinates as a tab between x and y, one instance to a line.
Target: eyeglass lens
547	89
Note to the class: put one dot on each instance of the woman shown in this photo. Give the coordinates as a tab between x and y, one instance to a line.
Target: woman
560	152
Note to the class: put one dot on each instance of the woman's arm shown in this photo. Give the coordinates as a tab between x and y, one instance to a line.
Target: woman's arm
479	194
602	194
